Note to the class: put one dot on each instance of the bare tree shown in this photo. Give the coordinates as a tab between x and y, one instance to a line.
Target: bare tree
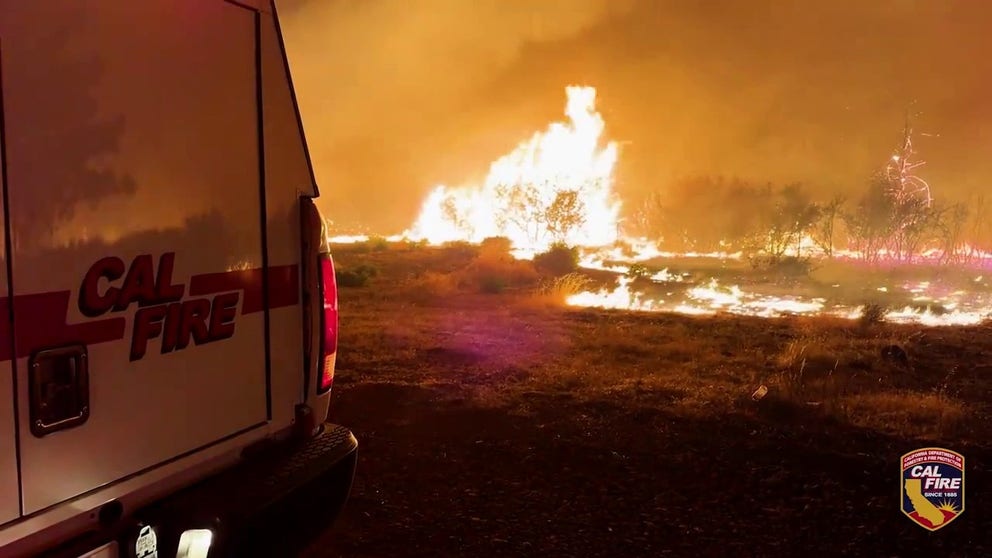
904	183
870	223
951	232
521	207
650	216
823	229
896	214
980	230
450	211
565	214
788	218
707	213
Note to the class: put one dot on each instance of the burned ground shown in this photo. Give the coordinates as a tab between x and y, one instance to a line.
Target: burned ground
507	425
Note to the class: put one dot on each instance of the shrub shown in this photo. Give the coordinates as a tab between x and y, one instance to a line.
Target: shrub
460	249
872	313
414	244
347	278
368	270
357	277
558	260
495	245
492	284
378	244
558	289
432	285
494	271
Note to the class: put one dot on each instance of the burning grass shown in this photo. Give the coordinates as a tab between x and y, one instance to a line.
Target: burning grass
887	377
468	403
658	355
555	291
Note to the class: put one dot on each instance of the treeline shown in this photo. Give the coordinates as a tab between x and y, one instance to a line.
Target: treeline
770	222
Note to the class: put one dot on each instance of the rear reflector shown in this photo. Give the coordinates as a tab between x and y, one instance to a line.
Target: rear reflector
328	323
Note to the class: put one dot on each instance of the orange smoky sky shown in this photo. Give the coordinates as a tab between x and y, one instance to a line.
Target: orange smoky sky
399	95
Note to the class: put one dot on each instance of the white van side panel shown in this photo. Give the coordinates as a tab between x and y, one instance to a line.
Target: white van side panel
287	177
290	165
135	137
9	497
9	494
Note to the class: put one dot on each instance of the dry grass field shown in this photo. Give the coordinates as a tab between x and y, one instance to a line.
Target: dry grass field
496	421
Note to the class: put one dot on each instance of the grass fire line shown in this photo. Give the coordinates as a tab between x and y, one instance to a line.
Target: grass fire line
493	366
895	377
556	189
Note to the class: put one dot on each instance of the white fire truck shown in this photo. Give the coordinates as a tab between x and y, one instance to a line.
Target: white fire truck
168	312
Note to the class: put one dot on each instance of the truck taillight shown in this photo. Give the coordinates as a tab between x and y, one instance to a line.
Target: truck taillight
328	323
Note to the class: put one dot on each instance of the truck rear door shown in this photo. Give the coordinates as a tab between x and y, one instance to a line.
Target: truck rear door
9	490
135	189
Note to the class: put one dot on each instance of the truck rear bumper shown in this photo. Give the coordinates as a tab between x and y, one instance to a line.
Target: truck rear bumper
271	504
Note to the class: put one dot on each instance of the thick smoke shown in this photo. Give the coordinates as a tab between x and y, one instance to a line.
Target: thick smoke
385	83
399	96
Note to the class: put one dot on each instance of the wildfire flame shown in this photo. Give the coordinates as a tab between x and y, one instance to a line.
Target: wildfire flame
712	298
557	186
564	165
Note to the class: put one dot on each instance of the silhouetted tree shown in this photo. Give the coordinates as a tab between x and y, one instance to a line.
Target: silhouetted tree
522	207
565	214
870	222
951	232
823	230
979	229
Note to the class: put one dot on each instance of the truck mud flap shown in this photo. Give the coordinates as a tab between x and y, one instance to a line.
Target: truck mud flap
272	504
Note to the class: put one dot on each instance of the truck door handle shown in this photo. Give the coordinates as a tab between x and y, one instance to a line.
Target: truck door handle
59	389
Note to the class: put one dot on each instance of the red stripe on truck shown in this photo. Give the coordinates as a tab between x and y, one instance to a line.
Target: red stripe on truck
41	324
41	317
284	289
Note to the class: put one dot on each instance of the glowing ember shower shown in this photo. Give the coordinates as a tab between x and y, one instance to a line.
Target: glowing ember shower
556	186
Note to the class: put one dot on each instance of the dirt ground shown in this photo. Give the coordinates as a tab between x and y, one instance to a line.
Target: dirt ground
505	425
